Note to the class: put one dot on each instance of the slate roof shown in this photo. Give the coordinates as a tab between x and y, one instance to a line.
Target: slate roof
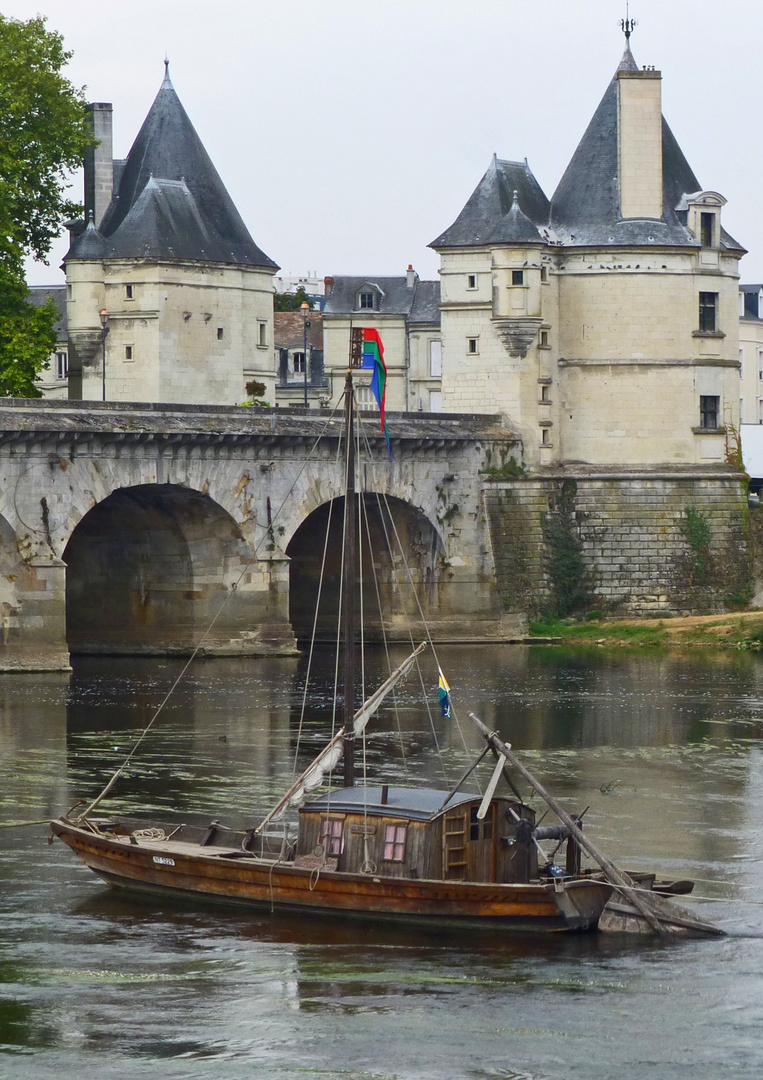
169	200
40	294
419	303
490	215
585	208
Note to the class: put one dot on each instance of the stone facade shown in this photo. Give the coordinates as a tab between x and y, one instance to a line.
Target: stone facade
128	528
165	261
653	543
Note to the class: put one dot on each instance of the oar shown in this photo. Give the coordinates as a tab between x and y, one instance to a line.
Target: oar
616	877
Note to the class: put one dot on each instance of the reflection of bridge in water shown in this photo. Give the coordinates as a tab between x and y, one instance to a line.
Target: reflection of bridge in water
123	528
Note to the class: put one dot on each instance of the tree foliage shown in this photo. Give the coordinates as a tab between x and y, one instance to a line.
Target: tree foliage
43	135
291	301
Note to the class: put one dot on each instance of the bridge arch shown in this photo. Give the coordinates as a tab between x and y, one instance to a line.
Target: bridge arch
147	569
382	517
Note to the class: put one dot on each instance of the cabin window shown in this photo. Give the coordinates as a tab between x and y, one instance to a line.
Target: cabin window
332	836
394	843
480	830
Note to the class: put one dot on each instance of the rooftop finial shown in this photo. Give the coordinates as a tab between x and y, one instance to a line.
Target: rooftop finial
627	24
167	82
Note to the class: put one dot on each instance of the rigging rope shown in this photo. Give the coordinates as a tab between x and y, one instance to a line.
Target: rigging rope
266	534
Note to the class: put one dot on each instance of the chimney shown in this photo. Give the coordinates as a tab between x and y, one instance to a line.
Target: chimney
328	285
99	162
411	277
639	143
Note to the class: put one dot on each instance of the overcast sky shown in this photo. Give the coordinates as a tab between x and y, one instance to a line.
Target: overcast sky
350	133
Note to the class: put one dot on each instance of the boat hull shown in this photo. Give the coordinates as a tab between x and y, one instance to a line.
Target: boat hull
236	877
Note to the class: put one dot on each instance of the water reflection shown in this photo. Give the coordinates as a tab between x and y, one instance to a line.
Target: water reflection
667	750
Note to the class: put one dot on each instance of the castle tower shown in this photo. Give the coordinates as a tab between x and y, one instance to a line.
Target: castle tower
188	295
601	323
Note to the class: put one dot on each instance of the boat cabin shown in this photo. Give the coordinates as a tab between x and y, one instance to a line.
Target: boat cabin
418	833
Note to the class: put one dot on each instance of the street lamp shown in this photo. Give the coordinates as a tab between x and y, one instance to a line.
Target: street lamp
305	309
104	335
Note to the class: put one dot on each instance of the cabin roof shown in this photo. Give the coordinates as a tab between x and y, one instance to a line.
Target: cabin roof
418	804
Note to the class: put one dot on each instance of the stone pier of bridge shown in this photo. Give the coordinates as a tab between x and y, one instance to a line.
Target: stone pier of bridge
149	529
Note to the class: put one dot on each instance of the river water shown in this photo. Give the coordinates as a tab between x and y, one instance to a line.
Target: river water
666	750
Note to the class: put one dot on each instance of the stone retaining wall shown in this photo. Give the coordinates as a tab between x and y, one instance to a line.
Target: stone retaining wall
647	543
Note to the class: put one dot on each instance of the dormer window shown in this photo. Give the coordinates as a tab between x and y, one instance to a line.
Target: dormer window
367	301
707	229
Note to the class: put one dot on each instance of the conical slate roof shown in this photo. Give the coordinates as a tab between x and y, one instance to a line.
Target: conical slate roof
170	202
585	208
490	216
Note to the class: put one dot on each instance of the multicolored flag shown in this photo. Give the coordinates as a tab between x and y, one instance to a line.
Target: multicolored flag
373	357
443	691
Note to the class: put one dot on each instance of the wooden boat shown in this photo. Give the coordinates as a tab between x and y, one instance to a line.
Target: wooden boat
444	858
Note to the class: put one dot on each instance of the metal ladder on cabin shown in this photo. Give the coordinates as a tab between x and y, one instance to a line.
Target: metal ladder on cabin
454	842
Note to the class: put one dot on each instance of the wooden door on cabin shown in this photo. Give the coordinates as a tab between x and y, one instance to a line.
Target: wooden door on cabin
481	848
469	845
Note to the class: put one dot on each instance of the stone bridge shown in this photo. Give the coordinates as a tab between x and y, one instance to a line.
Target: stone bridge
135	528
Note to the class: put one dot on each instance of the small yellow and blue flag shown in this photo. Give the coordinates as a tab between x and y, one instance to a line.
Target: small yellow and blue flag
444	694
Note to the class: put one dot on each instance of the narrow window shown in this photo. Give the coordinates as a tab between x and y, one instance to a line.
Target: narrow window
128	352
262	334
741	410
544	394
220	333
62	365
128	292
741	363
544	437
544	273
472	344
366	301
544	338
299	363
332	836
394	843
709	407
706	222
435	359
471	281
708	302
517	277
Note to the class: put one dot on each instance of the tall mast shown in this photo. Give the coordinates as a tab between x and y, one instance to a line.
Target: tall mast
349	585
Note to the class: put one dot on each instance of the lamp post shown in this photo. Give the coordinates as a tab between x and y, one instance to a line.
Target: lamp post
305	309
104	335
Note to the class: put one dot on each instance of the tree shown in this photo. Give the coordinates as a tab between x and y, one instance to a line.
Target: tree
43	135
283	301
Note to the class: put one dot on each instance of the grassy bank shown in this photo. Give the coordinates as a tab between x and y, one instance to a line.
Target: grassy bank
740	630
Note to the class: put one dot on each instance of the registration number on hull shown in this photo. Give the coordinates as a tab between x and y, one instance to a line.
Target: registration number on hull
163	861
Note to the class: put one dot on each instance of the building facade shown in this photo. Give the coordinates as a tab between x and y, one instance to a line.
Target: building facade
405	311
168	297
602	322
